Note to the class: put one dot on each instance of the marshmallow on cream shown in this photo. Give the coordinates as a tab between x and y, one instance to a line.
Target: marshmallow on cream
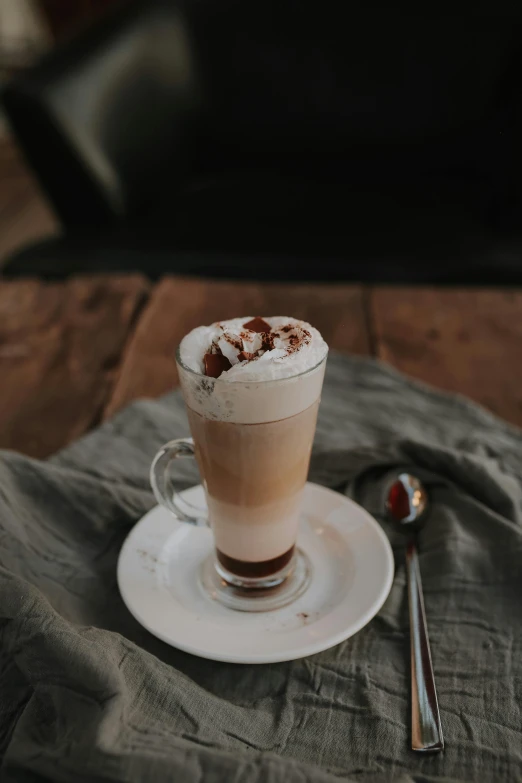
288	348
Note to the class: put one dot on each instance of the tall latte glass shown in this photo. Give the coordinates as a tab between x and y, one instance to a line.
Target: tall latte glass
252	432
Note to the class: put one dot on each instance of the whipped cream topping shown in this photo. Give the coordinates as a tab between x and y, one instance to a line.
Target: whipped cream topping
288	348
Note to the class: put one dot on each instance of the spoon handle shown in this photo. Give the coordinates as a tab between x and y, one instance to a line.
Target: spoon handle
426	730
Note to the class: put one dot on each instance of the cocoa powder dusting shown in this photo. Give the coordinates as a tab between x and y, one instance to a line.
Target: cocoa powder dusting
216	363
245	356
296	341
234	342
267	341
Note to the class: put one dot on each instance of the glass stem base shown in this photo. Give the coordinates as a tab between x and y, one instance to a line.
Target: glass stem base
258	582
260	594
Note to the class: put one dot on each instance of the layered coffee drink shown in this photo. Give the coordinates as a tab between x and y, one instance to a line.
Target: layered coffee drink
252	388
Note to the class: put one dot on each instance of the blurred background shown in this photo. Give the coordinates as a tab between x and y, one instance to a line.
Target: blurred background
191	137
29	29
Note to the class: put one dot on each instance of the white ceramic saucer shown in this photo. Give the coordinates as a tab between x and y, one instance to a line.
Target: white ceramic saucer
352	575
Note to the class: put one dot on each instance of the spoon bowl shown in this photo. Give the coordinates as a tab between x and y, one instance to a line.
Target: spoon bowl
407	502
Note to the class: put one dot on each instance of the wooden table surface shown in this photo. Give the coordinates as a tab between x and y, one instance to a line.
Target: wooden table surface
74	353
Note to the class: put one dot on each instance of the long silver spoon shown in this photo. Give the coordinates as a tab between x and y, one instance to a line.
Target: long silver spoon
406	505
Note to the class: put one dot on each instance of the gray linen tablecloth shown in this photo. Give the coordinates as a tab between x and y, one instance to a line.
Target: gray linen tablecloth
87	694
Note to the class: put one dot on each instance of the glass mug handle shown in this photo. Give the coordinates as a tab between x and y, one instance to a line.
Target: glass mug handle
162	482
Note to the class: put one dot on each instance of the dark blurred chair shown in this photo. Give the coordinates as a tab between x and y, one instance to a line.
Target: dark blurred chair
278	140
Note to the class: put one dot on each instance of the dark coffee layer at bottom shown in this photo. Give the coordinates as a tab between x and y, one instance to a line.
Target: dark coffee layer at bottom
255	570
